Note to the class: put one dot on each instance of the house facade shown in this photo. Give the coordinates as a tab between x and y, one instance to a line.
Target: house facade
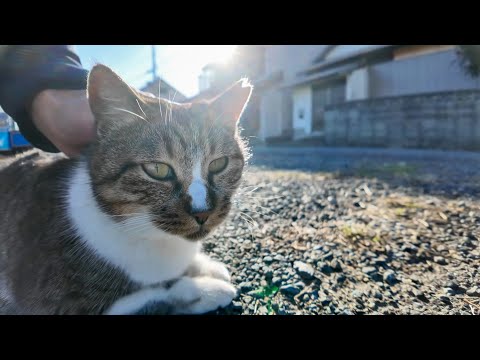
368	95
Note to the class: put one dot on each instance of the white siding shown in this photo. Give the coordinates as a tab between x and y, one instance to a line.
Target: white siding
357	85
302	105
270	115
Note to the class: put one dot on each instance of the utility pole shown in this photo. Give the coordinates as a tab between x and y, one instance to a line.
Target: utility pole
153	70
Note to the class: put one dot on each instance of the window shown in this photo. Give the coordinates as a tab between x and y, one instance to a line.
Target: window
323	96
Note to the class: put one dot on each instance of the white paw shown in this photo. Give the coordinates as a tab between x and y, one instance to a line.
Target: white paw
205	266
201	295
218	271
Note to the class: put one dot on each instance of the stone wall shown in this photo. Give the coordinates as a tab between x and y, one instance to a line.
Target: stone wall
447	120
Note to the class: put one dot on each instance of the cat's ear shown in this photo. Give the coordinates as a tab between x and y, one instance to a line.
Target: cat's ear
227	108
112	101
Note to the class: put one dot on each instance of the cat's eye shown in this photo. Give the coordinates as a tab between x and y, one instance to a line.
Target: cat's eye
218	165
159	171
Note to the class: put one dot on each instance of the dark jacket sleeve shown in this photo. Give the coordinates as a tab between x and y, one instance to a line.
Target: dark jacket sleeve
25	70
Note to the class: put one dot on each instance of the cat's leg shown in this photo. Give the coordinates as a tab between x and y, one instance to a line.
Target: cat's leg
203	265
187	296
136	301
208	294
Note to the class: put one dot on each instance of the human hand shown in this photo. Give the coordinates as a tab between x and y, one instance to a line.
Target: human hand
65	118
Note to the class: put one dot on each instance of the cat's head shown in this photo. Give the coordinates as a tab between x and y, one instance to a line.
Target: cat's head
177	165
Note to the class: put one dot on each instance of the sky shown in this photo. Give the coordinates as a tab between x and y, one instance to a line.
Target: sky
179	65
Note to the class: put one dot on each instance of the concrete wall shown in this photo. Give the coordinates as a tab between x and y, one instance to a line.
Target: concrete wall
420	74
448	120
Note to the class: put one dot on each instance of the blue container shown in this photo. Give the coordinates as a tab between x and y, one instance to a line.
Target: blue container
17	140
5	143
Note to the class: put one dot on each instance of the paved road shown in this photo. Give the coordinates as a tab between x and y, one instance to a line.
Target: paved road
449	172
327	159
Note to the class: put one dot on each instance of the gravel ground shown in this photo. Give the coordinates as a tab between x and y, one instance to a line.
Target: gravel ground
355	232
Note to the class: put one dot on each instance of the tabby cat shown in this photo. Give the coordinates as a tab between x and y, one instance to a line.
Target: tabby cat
118	230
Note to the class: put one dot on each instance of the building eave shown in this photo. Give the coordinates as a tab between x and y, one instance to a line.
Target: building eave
370	52
324	76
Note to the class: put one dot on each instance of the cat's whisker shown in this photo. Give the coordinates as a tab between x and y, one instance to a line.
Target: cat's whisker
170	107
270	210
132	113
248	192
137	217
219	116
112	99
263	198
130	214
133	221
256	212
134	227
171	112
159	97
250	227
138	223
138	103
247	221
251	219
251	186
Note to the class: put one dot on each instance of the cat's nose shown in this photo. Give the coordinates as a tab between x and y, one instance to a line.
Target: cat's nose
202	216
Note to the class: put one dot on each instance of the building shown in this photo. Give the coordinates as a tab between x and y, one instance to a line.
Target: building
369	95
247	62
167	91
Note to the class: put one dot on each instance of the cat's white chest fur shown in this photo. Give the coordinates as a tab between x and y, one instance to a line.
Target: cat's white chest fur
147	256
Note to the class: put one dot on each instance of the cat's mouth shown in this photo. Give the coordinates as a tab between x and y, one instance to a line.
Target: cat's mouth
198	235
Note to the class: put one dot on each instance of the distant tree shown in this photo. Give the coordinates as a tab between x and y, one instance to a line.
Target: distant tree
469	58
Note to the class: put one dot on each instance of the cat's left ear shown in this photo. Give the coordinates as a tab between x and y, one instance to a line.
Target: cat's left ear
112	101
227	108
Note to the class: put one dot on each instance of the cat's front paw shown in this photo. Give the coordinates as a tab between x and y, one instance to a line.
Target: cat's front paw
217	270
201	295
203	266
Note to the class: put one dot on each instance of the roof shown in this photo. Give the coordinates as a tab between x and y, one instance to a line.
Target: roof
329	70
371	51
323	54
325	76
165	87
